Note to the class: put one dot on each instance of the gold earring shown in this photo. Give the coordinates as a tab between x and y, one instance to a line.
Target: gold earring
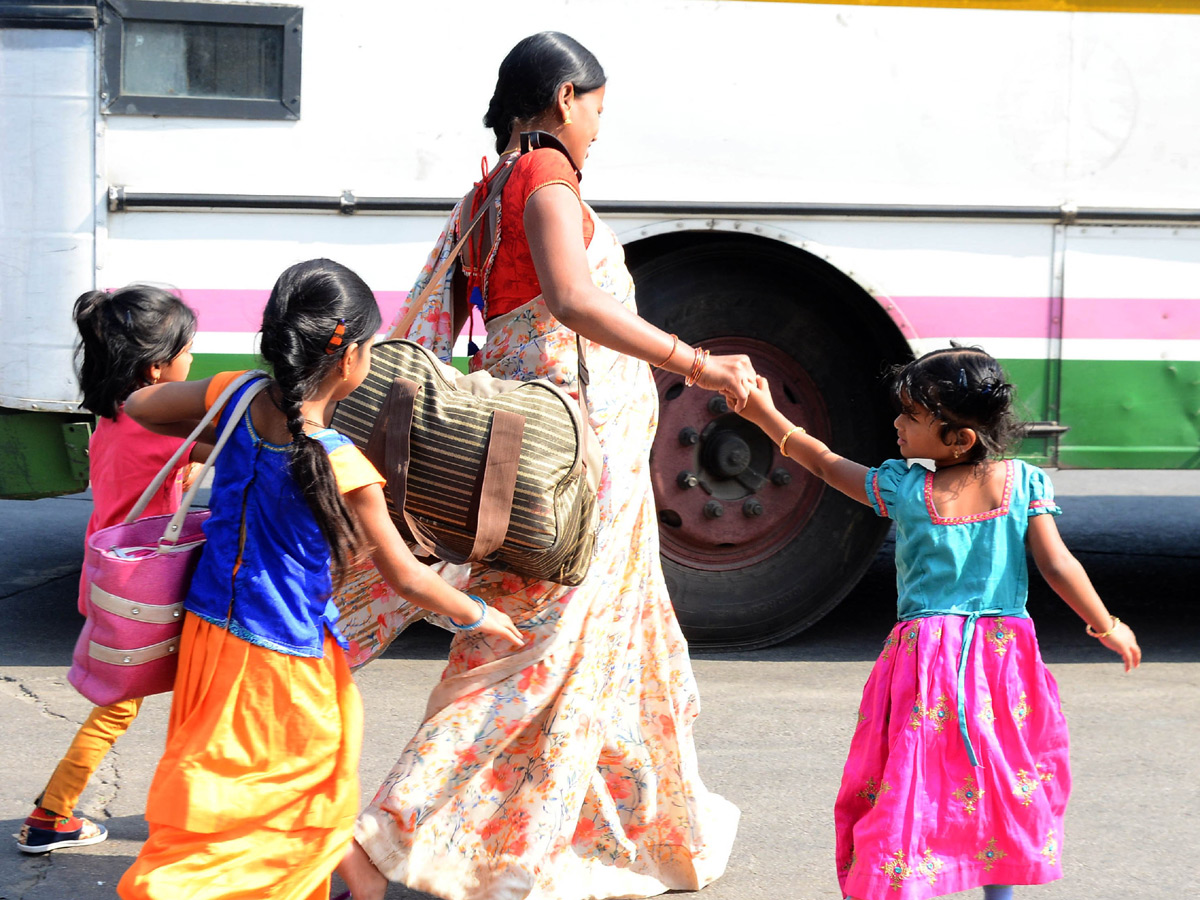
957	452
567	120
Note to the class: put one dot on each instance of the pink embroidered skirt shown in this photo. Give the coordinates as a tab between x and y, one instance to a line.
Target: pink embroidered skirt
914	818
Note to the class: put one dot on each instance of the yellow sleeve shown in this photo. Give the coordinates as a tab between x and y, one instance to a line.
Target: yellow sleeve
217	384
351	469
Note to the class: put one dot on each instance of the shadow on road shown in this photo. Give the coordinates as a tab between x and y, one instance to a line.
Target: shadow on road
1142	553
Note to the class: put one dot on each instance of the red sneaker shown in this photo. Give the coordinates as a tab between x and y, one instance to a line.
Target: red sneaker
43	832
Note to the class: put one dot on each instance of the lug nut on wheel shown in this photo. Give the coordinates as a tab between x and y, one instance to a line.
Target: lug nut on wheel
687	480
689	437
713	510
781	477
717	405
752	507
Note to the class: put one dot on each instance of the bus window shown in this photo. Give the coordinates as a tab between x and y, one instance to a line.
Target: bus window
201	59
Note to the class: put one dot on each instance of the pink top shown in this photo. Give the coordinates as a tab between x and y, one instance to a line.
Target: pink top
123	458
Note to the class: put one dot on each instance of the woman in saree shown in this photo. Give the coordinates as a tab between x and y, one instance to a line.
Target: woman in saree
566	769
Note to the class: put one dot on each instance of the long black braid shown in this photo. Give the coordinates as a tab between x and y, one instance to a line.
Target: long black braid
308	303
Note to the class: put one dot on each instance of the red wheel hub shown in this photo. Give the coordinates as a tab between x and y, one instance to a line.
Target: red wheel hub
726	497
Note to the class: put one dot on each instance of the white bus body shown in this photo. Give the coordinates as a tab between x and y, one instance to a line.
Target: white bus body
830	187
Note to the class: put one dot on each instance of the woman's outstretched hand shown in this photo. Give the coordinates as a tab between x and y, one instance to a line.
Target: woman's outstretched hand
733	375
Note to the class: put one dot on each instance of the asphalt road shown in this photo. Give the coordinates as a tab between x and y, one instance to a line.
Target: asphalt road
775	725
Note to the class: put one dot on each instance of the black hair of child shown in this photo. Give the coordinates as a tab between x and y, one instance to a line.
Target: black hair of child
963	387
308	303
121	335
530	76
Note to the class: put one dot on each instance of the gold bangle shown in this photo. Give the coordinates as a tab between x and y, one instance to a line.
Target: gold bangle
674	347
1091	633
783	440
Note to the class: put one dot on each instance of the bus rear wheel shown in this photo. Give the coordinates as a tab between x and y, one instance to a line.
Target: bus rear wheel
754	548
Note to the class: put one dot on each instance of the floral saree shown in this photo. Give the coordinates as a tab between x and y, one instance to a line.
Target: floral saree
566	769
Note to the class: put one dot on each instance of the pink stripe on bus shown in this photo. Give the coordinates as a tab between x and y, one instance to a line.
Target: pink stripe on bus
977	316
930	317
241	310
1142	319
1083	318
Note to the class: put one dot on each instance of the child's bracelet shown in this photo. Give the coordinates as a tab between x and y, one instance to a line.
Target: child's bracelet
1115	623
483	608
674	347
783	440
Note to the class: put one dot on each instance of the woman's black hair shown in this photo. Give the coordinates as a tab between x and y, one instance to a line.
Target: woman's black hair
121	335
530	77
963	387
309	302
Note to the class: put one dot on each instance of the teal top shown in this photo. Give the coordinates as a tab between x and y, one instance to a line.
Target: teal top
970	566
963	565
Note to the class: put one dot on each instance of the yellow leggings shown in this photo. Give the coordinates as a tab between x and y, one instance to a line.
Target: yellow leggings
95	736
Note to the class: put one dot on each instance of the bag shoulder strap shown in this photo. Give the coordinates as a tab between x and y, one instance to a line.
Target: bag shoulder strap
529	140
173	462
538	140
175	526
439	276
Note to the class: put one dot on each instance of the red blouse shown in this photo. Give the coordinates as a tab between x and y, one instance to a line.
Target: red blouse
513	280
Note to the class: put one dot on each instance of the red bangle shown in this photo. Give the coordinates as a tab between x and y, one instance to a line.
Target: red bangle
674	347
698	364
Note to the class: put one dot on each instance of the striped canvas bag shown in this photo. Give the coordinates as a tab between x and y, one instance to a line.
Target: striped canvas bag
480	469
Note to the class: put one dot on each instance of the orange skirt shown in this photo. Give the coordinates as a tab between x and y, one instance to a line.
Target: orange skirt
257	791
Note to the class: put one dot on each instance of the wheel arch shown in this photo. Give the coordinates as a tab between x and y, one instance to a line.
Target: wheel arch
885	321
730	284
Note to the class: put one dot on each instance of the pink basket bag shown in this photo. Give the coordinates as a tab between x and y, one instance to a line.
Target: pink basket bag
137	576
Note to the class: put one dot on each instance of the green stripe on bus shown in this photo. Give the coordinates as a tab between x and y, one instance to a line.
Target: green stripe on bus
1121	414
207	364
1142	414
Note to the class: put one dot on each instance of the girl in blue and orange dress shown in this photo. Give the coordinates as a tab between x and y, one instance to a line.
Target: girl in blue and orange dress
257	789
128	338
957	775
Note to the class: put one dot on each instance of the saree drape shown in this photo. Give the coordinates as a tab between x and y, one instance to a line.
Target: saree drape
566	769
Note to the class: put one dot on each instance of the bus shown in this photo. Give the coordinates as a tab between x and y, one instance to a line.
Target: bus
830	188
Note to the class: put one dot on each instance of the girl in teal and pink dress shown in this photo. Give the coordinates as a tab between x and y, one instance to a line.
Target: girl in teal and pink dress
957	775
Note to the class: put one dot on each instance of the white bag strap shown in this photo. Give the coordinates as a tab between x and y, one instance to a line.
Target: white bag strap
175	526
169	468
160	479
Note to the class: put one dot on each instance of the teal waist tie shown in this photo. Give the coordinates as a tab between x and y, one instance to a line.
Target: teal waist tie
964	654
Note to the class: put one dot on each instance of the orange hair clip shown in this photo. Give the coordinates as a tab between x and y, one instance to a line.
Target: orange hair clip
339	334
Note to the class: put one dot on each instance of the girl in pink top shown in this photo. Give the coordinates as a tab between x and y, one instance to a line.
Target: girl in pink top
132	337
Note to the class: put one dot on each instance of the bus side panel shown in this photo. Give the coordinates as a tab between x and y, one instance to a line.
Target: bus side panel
47	210
224	265
47	254
1131	348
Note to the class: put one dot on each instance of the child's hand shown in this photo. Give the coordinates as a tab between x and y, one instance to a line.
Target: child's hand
1124	642
759	405
497	624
